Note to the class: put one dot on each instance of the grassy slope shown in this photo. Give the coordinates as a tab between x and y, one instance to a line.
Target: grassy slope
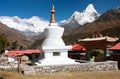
63	75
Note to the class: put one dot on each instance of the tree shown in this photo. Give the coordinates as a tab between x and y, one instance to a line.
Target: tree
14	45
94	53
3	42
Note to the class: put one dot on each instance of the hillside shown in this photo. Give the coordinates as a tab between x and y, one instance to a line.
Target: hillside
13	35
110	19
99	26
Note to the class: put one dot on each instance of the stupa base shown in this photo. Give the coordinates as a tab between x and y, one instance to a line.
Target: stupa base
55	61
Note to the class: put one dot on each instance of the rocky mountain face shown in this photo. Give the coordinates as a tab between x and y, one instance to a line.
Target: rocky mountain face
110	15
108	20
80	18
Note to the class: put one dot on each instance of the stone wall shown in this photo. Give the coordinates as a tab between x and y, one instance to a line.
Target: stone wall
8	66
82	67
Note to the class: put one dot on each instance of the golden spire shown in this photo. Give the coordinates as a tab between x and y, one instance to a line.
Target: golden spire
52	19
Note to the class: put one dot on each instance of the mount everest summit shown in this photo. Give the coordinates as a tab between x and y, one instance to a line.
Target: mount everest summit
36	25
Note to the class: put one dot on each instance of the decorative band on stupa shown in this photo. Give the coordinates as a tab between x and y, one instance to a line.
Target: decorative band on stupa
52	18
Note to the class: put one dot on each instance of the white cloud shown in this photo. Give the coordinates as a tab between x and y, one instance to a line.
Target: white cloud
63	21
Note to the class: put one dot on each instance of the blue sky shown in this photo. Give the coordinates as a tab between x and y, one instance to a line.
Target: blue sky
64	8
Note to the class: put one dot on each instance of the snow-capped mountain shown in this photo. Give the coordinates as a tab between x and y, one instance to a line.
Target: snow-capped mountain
35	24
31	25
80	18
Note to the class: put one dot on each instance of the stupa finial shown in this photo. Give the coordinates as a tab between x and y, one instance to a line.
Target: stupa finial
52	19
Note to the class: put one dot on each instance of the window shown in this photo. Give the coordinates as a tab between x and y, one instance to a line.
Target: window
56	53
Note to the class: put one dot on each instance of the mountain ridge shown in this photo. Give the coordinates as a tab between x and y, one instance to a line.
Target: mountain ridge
13	36
109	19
80	18
33	24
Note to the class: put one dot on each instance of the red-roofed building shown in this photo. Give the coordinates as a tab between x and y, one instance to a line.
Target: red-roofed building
15	53
115	47
116	53
77	52
97	43
78	47
30	53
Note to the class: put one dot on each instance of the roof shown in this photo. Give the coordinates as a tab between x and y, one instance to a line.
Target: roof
15	53
78	47
92	39
107	38
22	52
110	39
115	47
32	51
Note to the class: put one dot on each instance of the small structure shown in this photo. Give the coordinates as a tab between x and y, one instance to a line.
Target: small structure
77	52
78	47
55	51
116	53
97	43
32	54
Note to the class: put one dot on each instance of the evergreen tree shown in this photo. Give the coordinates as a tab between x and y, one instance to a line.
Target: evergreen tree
3	42
14	45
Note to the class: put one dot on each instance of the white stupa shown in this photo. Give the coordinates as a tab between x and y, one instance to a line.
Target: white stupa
55	51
